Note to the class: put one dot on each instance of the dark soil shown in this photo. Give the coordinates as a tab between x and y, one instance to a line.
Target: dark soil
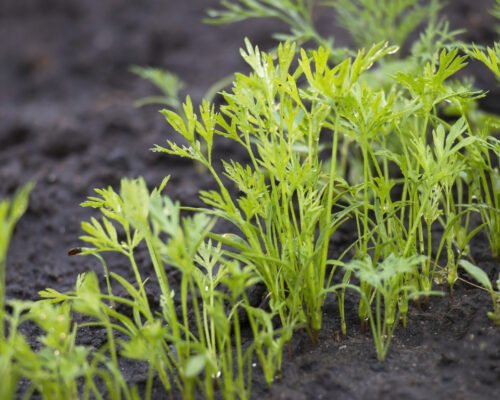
67	121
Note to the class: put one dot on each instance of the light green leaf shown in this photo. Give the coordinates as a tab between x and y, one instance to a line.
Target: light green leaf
477	273
195	365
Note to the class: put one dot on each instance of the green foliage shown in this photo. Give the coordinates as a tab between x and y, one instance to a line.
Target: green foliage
371	21
290	204
482	278
485	184
296	14
190	349
55	369
489	57
496	13
368	21
389	287
168	83
58	368
285	210
400	151
10	212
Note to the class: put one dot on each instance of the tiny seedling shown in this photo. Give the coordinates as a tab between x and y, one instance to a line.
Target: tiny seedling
370	21
297	14
385	292
194	343
10	213
168	83
482	278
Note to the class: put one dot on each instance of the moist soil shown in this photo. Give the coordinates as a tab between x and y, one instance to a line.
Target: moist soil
67	121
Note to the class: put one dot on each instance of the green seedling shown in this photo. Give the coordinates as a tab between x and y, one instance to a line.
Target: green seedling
88	300
296	14
484	159
366	20
59	369
10	213
194	344
12	346
268	342
285	213
484	184
388	287
168	83
482	278
390	128
370	21
490	57
496	13
284	186
327	138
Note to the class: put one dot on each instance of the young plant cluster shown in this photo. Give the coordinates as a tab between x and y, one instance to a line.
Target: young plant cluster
397	152
291	202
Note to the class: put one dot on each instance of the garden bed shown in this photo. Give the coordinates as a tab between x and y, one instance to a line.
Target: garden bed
69	123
